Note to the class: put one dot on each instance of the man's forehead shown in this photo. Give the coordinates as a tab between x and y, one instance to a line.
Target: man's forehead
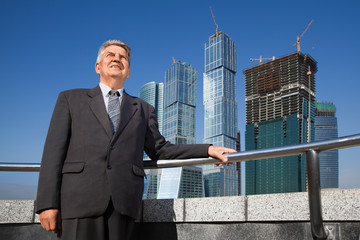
113	48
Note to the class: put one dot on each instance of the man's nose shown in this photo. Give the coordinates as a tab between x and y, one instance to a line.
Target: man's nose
116	58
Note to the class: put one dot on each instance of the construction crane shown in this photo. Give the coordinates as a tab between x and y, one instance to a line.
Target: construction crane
298	38
217	27
261	59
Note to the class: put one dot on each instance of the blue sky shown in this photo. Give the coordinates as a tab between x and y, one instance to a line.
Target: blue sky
50	46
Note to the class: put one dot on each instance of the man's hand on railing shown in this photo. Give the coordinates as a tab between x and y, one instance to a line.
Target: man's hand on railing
51	220
218	152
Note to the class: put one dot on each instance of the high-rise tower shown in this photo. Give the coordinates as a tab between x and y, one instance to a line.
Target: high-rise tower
326	128
180	103
179	128
219	91
220	111
278	113
153	93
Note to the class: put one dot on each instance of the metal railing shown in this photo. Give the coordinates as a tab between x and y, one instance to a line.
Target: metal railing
311	150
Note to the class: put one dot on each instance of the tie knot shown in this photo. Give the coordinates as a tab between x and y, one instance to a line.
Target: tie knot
114	93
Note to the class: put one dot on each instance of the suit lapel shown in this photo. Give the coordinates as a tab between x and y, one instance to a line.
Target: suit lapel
127	110
97	105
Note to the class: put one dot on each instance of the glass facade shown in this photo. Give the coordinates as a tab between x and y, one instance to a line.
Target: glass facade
180	103
220	112
151	183
181	182
325	129
219	92
179	128
278	113
275	175
153	93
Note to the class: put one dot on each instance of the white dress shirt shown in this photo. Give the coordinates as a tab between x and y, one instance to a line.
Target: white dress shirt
105	92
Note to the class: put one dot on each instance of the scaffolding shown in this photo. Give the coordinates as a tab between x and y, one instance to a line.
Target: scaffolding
278	88
280	98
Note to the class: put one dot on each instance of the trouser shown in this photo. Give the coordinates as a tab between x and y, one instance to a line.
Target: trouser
111	226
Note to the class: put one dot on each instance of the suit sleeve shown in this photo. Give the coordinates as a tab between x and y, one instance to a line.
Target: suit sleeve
158	148
55	149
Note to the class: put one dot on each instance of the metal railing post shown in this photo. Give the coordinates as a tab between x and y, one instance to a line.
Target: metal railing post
313	173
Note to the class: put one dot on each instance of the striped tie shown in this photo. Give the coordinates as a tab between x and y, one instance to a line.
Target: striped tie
114	109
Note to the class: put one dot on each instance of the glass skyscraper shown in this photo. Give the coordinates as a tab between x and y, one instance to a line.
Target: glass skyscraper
180	103
179	128
220	117
151	183
325	129
181	182
153	93
278	113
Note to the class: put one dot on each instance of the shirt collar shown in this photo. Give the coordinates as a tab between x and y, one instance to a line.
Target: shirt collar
106	89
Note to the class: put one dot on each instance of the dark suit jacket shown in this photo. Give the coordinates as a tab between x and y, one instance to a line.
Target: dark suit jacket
84	164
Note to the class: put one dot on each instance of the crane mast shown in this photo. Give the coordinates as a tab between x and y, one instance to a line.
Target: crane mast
217	27
298	38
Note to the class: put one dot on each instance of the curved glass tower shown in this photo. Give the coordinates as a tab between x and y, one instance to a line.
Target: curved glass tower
153	93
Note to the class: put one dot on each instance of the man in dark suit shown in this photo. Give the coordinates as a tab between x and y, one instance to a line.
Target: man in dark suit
91	177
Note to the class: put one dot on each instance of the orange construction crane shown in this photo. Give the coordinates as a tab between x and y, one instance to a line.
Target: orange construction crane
217	27
298	38
261	59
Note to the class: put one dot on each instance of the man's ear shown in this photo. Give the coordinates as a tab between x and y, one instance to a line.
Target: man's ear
97	69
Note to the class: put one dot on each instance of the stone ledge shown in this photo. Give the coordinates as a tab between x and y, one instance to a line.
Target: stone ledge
17	211
338	205
167	210
341	204
224	209
278	207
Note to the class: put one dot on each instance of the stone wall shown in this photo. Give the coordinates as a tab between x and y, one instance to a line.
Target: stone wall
270	216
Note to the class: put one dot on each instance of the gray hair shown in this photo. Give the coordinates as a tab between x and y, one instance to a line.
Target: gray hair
117	43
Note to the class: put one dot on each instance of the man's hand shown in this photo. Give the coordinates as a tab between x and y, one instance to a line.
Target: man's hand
51	220
218	152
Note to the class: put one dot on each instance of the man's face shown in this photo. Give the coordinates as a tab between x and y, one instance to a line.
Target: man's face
114	64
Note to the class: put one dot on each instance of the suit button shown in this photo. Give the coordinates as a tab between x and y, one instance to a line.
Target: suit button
109	167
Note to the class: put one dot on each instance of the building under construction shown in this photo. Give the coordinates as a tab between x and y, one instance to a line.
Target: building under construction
278	114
